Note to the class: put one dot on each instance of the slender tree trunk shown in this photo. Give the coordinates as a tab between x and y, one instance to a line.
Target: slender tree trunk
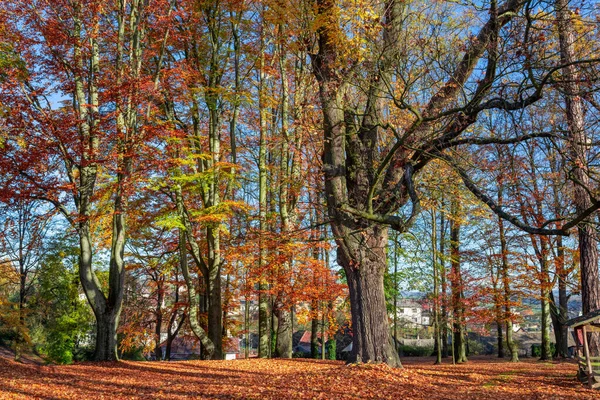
396	247
193	298
263	299
499	317
171	335
283	346
247	327
545	288
459	340
314	330
159	317
213	285
444	285
504	272
561	313
436	291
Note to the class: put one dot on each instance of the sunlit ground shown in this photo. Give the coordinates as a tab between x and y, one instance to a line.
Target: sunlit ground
293	379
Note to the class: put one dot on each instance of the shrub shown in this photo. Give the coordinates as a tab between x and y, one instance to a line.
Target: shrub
415	351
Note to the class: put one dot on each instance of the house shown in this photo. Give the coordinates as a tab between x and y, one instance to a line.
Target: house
413	312
301	342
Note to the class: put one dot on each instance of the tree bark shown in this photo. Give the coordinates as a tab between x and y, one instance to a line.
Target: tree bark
436	291
578	154
314	330
458	310
106	337
504	272
283	345
193	298
264	344
371	340
159	317
444	284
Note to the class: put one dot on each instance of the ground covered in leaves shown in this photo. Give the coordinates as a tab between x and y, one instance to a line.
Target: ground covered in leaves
292	379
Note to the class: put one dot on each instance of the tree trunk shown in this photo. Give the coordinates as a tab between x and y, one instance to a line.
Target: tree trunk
193	298
562	314
171	335
264	344
546	351
444	285
215	309
499	316
106	337
436	291
504	272
459	337
314	330
500	340
158	326
284	333
578	153
371	339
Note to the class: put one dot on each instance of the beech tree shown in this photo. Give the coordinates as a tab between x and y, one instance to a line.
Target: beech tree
80	113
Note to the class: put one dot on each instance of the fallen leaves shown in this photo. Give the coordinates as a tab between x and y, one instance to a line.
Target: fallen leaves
292	379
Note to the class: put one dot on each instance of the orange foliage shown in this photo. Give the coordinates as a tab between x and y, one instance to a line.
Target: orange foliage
293	379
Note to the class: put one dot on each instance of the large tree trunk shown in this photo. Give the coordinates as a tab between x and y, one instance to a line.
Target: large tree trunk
579	151
350	181
371	339
283	346
107	309
106	337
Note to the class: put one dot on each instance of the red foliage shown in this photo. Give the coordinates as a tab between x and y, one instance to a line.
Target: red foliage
293	379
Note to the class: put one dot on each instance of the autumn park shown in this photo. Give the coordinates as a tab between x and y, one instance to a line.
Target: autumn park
299	199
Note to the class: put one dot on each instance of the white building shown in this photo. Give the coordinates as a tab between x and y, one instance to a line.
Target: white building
413	312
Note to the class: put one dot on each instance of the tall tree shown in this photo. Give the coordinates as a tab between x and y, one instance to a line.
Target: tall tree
96	55
459	336
578	157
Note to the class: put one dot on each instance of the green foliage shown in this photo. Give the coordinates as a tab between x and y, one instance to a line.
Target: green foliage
476	347
330	348
135	354
390	289
10	60
170	221
415	351
64	317
273	341
536	350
